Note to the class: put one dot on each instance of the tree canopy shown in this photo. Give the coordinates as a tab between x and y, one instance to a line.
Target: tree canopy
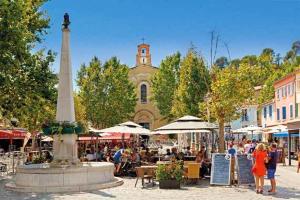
193	85
164	83
106	92
27	82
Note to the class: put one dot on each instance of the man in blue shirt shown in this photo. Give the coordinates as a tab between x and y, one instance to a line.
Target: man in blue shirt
271	167
118	159
231	150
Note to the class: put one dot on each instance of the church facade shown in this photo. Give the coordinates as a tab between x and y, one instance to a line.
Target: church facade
146	113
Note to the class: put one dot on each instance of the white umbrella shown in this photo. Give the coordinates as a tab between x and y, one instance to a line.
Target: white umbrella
166	132
275	129
186	124
127	127
251	129
104	134
47	139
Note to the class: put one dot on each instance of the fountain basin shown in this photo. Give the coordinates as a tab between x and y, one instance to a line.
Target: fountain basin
46	178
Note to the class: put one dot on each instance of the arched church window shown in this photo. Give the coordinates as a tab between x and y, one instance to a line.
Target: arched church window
143	93
143	51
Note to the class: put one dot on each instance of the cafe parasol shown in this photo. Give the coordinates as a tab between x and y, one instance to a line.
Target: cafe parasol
186	125
126	127
249	129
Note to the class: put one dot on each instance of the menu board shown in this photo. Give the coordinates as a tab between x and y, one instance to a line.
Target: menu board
244	170
220	169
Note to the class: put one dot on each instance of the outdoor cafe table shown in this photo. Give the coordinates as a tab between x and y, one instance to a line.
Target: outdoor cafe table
163	162
157	158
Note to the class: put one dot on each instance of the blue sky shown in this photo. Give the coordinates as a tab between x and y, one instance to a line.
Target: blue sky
106	28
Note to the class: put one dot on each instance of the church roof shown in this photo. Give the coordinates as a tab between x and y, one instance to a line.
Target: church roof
136	66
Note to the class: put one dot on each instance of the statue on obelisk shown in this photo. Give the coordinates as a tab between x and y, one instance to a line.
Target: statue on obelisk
65	145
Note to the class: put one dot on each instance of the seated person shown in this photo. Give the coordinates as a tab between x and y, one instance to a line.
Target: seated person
168	155
108	156
135	156
148	156
180	156
29	158
48	156
99	155
89	156
204	164
188	151
174	154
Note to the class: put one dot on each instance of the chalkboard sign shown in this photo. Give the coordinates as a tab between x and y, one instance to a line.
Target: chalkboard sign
244	170
220	169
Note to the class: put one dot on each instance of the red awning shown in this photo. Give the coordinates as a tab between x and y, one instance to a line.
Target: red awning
87	138
112	136
12	134
116	136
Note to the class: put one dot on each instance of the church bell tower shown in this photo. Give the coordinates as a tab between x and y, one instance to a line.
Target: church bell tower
143	56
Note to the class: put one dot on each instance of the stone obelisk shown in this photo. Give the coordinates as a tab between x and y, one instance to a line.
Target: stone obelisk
65	145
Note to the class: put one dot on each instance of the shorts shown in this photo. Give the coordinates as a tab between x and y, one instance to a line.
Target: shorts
271	173
117	160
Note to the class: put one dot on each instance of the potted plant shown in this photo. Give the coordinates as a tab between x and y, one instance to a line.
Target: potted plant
170	175
53	128
68	128
79	128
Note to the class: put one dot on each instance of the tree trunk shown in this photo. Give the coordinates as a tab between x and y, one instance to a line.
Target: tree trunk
221	136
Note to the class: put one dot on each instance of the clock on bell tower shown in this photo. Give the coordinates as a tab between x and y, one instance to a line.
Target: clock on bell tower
143	56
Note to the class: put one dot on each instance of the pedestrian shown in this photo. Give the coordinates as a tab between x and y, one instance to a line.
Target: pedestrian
232	152
259	169
252	146
247	146
240	149
298	160
271	167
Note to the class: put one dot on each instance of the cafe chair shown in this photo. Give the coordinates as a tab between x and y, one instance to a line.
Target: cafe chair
144	173
3	168
192	173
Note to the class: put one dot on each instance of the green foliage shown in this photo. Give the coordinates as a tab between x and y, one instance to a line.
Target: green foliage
170	172
164	83
231	88
193	85
26	80
53	127
277	70
222	62
80	113
106	92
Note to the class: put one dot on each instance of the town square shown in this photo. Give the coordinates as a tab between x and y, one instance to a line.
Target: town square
149	99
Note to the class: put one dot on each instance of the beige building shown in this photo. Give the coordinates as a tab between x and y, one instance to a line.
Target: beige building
146	113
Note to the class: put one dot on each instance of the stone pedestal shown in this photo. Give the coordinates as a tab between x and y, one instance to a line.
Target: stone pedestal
65	149
45	178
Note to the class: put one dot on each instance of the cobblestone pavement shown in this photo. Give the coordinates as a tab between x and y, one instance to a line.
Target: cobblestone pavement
287	178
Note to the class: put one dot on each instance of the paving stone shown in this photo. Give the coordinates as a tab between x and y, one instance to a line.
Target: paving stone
287	178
